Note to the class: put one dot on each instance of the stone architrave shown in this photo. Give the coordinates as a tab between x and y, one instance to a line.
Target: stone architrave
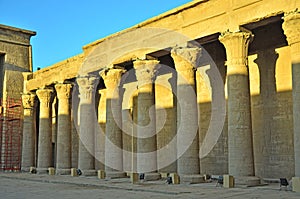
29	134
63	157
240	149
44	161
87	87
291	27
145	71
186	60
113	132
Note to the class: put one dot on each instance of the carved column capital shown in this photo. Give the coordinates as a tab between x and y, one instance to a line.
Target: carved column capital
145	71
63	91
112	77
45	96
28	100
87	85
236	45
186	58
291	27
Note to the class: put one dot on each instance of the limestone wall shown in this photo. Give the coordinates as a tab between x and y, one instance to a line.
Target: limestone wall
272	112
15	57
59	72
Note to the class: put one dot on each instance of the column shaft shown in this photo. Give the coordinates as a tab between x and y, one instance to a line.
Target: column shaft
29	134
45	132
87	121
291	27
113	135
186	60
146	125
63	157
240	147
100	134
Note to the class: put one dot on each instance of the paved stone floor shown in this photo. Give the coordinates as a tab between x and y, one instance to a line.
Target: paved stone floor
32	186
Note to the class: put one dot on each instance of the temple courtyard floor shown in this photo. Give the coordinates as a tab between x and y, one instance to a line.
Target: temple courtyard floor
33	186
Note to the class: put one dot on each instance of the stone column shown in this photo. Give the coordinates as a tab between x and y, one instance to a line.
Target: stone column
87	86
188	163
29	134
145	71
100	133
113	132
291	27
63	143
45	131
240	149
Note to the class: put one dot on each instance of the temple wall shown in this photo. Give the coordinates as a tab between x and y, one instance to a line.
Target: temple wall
272	112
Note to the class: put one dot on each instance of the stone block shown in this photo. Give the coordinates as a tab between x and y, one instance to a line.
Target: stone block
175	178
51	171
74	172
134	178
192	179
101	174
63	171
247	181
152	176
296	184
114	174
164	175
89	172
32	170
228	181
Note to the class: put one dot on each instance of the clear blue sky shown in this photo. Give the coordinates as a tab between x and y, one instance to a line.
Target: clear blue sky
64	26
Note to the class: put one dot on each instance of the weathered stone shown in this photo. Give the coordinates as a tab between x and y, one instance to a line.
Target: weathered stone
63	158
271	113
240	146
145	71
44	161
113	135
87	86
101	174
291	27
29	134
228	181
186	60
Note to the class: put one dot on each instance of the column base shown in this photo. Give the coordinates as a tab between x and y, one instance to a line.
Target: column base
25	169
192	179
114	174
152	176
63	171
86	172
73	172
246	181
42	170
296	184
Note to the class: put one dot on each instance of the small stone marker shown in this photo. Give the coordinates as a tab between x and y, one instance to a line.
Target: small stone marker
51	171
228	181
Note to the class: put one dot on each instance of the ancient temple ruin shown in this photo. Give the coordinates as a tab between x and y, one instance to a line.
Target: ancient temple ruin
211	87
